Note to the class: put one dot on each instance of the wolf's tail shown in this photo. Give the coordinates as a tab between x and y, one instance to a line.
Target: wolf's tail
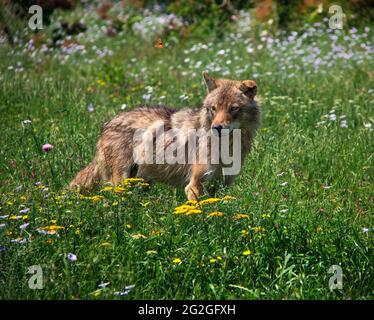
86	178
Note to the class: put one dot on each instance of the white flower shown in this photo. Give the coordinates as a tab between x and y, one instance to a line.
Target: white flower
283	210
123	107
283	184
72	257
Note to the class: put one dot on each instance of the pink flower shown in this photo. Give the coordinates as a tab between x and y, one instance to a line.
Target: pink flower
47	147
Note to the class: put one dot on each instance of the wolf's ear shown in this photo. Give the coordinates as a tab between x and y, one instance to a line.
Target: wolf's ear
249	88
210	82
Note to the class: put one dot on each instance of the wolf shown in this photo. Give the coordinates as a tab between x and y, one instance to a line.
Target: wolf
230	105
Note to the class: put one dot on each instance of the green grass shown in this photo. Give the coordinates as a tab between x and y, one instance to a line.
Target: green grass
292	251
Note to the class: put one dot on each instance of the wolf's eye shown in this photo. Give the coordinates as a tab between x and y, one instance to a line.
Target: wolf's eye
234	109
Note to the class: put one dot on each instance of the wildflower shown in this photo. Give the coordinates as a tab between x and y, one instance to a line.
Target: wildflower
193	211
103	285
123	106
126	291
108	188
283	184
150	252
209	201
128	226
90	107
24	226
227	198
365	230
213	260
258	229
96	293
3	249
215	214
241	216
4	217
24	210
244	232
266	216
50	229
246	252
283	210
3	225
72	257
105	244
27	121
47	147
326	187
138	236
13	217
177	261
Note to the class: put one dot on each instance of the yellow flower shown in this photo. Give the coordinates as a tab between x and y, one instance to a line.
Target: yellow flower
241	216
115	203
191	202
193	211
215	214
247	252
25	217
227	198
108	188
119	189
177	261
258	229
138	236
128	226
105	244
219	258
244	232
96	293
96	198
213	260
209	201
151	252
266	216
77	232
156	232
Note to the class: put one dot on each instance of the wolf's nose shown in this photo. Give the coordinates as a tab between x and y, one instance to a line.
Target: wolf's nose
218	128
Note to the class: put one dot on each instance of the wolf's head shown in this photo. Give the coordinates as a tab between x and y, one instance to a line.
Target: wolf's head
230	103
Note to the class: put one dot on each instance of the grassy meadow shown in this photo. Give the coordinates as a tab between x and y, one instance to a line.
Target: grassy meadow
303	202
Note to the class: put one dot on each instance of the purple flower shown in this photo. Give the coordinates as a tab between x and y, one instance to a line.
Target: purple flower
3	249
24	210
72	257
47	147
24	226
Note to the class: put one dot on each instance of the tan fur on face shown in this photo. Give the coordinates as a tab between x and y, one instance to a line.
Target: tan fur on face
229	103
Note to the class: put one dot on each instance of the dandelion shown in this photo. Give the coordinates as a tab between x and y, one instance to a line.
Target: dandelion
138	236
258	229
47	147
209	201
246	252
72	257
215	214
227	198
193	211
240	216
177	261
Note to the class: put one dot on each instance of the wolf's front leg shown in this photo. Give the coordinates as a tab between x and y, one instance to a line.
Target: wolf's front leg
195	188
